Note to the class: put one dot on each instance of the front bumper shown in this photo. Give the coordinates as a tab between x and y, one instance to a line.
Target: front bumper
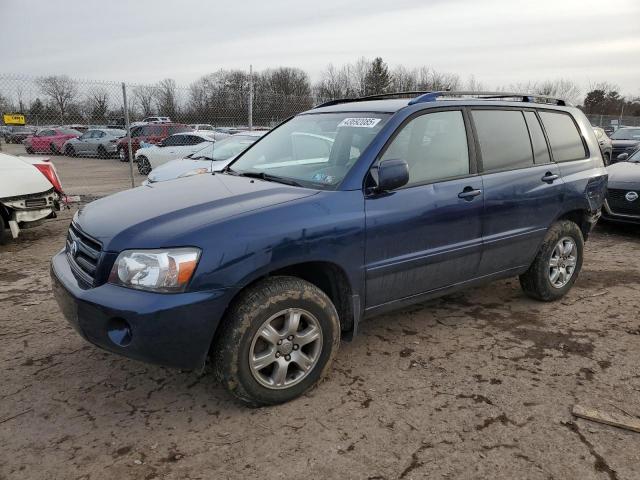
174	330
612	216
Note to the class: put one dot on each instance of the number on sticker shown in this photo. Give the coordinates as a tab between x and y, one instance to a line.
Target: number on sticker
359	122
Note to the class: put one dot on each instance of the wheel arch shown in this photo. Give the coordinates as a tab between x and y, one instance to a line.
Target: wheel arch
580	217
329	277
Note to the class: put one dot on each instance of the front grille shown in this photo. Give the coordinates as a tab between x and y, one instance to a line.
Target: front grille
619	204
35	202
84	254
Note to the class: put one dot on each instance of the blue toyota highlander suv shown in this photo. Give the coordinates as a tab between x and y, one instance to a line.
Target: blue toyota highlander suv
348	210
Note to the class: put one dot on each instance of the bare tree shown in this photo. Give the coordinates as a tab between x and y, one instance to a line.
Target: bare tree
167	98
334	83
433	80
61	89
473	85
98	100
145	96
403	80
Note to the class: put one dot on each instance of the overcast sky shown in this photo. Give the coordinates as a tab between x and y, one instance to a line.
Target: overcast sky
498	41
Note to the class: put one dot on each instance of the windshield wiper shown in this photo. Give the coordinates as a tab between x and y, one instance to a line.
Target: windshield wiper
265	176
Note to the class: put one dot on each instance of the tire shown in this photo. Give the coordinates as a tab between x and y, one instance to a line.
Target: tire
537	282
29	150
69	151
102	153
122	155
5	233
607	159
144	167
272	301
53	149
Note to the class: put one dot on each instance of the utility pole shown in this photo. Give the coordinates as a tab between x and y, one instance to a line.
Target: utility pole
250	97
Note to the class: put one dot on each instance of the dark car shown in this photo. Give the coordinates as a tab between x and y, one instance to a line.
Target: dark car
623	193
606	147
343	212
624	140
18	134
151	133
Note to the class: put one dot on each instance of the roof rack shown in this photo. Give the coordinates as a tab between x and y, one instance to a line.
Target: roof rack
431	96
523	97
378	96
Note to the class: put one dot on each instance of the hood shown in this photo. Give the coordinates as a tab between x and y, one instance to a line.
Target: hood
173	169
18	177
624	173
625	143
173	213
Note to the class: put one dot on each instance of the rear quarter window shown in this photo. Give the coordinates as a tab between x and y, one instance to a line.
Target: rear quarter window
504	139
564	137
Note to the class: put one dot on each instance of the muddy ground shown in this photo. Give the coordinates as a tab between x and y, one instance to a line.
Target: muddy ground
474	385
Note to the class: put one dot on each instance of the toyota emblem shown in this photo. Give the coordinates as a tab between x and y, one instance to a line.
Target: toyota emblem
631	196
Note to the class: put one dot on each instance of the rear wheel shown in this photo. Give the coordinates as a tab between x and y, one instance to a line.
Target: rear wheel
557	264
53	149
277	341
29	150
102	152
144	167
122	154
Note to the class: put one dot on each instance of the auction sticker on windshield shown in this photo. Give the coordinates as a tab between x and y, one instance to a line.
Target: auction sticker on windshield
359	122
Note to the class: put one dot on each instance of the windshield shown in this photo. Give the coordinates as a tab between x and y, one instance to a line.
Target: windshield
635	157
626	134
226	148
313	149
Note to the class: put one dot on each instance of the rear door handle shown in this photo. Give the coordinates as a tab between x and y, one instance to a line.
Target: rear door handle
550	177
469	193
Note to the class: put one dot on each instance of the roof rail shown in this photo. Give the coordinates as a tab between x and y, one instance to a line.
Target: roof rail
523	97
374	97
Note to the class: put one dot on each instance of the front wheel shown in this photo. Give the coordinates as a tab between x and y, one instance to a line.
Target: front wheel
277	341
144	167
70	151
557	264
102	152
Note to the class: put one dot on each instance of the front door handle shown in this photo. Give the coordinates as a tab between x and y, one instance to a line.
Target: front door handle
550	177
469	193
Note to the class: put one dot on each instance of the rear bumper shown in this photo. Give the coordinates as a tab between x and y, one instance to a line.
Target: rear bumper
174	330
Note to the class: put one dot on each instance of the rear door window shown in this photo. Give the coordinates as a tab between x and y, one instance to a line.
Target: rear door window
504	139
540	149
564	138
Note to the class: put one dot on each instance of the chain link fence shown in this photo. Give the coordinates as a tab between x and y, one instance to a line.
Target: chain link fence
613	121
58	100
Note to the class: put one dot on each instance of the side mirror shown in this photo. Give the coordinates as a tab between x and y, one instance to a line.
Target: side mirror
392	174
622	157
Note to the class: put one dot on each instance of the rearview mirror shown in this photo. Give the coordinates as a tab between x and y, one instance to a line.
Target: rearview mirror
622	157
392	174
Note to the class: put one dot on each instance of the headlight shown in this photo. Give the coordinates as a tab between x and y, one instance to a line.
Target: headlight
197	171
155	270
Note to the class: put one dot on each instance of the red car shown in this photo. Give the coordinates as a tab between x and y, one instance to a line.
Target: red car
152	133
49	140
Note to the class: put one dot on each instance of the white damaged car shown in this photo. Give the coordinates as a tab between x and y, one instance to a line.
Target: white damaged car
30	192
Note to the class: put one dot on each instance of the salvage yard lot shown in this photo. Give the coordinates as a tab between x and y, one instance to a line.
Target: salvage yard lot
478	384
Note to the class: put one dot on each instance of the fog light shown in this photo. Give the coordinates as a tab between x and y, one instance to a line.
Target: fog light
119	332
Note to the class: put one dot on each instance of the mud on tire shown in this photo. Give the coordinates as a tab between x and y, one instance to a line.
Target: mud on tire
234	347
536	281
